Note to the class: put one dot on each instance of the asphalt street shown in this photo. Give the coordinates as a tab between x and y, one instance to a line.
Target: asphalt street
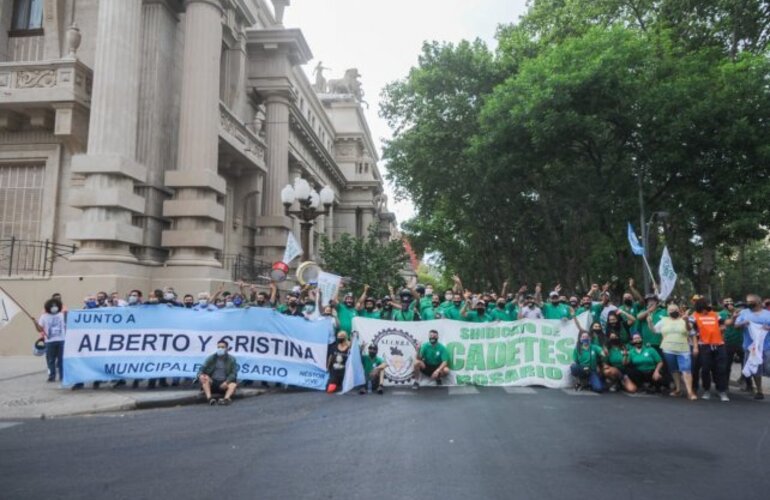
437	443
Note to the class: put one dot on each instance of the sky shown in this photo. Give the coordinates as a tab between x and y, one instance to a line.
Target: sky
382	38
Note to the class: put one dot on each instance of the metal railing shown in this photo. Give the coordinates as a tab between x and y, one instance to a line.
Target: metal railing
30	257
244	268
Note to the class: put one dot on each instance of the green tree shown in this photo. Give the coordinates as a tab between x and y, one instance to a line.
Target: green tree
365	260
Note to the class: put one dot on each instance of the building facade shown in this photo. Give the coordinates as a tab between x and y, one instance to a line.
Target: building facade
145	143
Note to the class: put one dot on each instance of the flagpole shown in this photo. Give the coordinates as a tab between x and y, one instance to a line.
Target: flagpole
18	304
649	270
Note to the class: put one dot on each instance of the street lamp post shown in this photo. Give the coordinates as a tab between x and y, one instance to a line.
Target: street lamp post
309	202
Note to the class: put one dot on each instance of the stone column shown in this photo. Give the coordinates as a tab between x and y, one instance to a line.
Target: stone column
274	223
195	210
107	200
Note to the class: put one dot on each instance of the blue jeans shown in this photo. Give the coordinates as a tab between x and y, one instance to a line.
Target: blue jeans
678	362
54	357
592	377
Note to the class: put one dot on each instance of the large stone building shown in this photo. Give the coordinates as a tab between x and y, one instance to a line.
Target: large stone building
146	143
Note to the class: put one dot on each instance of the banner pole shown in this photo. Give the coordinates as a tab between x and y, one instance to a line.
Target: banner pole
649	270
18	304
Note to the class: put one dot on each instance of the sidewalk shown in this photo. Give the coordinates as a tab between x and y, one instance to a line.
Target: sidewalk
24	393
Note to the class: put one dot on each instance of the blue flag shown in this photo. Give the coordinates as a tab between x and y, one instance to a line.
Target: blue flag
354	368
636	247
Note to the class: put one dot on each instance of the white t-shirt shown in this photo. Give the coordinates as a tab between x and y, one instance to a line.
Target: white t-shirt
53	326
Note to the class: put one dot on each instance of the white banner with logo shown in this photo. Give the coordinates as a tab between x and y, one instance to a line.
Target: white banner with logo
516	353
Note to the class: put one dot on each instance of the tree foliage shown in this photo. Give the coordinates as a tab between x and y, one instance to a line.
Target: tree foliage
366	260
527	163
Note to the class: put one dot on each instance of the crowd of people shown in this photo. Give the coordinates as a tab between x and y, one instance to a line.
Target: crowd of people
637	343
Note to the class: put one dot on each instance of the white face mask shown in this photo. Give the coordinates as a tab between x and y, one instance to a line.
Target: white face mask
133	299
54	310
221	351
229	304
203	302
168	296
428	292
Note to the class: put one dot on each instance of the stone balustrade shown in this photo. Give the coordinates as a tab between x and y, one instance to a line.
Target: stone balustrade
240	138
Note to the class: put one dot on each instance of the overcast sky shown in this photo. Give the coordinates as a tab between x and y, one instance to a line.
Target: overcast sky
382	38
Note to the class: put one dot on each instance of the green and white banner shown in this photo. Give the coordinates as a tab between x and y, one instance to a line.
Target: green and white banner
516	353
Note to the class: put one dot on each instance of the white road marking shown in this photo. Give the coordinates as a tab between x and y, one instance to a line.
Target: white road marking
8	425
402	393
573	392
462	390
519	390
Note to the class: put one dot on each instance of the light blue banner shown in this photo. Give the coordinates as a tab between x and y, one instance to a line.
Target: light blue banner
161	341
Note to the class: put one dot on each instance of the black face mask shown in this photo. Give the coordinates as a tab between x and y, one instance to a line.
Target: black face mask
372	354
614	341
480	310
457	303
597	332
629	303
433	341
387	306
674	315
369	307
638	343
501	305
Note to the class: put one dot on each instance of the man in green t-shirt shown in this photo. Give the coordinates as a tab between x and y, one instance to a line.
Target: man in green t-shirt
368	311
453	311
346	311
654	311
554	309
477	314
733	339
432	360
501	312
374	370
432	312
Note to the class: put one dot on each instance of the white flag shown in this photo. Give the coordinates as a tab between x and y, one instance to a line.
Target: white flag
354	367
328	284
667	275
293	249
8	309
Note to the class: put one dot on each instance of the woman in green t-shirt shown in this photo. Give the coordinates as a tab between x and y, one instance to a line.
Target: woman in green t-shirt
645	365
616	365
586	367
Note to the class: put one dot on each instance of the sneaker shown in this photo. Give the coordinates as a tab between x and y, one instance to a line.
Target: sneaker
380	391
613	388
706	396
331	388
759	396
415	386
224	402
723	397
362	391
118	383
212	402
439	382
50	379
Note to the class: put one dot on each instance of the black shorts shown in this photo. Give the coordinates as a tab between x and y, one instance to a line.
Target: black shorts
216	386
429	369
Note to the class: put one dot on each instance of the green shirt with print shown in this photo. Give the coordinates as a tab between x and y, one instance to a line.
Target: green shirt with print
732	335
503	314
615	357
590	356
453	313
556	311
475	317
645	360
649	337
345	316
434	354
370	363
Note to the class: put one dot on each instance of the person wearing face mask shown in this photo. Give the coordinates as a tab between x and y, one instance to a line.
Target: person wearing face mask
52	327
338	357
588	305
711	346
365	307
529	309
102	299
446	302
628	311
90	302
386	312
733	341
676	349
596	332
432	361
501	312
346	311
218	375
616	357
408	306
374	370
432	312
474	313
293	307
134	298
454	311
425	293
203	303
649	317
645	365
615	325
188	301
169	297
554	308
755	322
587	364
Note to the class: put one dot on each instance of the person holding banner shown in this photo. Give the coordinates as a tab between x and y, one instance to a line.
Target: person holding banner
432	360
756	341
586	366
346	311
218	375
52	326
